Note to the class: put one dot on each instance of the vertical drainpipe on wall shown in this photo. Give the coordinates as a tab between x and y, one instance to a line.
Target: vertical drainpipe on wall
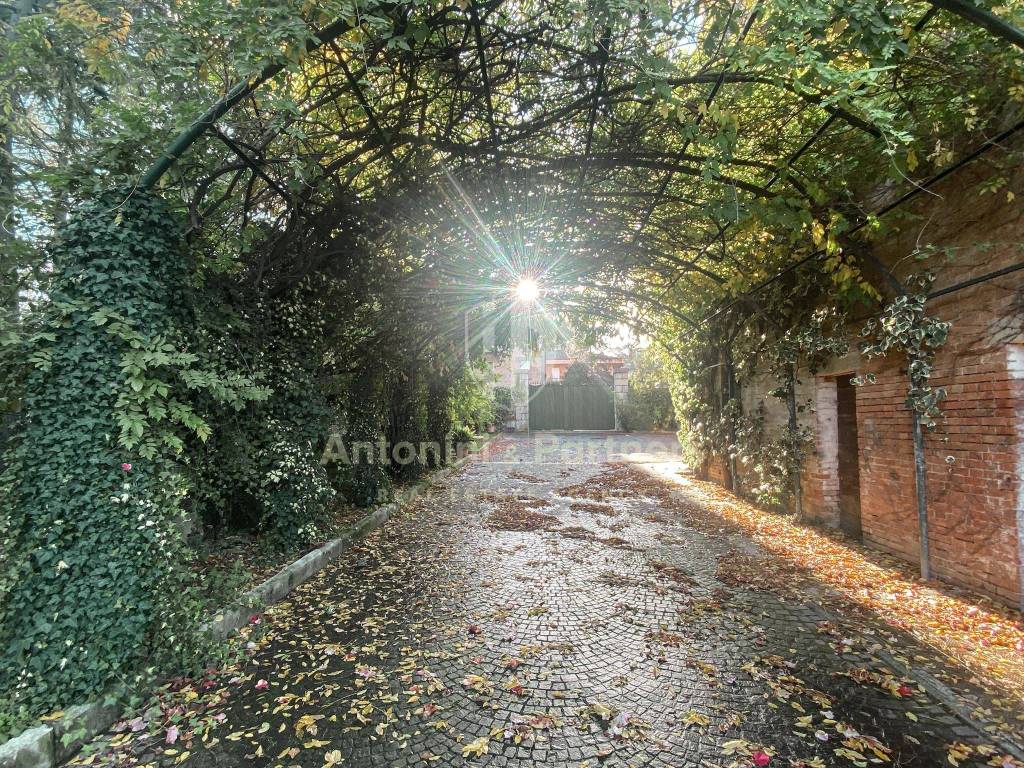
730	382
922	495
798	501
918	434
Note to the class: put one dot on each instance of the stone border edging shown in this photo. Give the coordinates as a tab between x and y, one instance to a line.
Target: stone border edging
949	699
50	744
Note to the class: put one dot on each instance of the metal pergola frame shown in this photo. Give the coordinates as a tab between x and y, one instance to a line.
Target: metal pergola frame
588	161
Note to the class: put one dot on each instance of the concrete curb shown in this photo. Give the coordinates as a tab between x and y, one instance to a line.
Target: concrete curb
49	745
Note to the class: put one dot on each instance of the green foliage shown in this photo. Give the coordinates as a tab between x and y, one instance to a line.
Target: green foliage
295	491
781	335
368	481
706	422
904	327
472	397
650	406
504	410
462	438
407	423
581	374
92	489
647	410
262	470
440	417
768	462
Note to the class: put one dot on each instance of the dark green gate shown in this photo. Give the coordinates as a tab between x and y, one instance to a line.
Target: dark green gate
571	406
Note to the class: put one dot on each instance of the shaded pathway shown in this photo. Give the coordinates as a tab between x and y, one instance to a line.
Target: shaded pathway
564	612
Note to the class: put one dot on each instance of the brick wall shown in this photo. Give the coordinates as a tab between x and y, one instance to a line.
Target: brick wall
975	458
717	471
821	472
816	398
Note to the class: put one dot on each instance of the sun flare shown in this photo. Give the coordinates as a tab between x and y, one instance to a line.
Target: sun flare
527	290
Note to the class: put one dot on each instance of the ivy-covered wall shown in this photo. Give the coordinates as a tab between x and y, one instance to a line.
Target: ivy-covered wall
90	512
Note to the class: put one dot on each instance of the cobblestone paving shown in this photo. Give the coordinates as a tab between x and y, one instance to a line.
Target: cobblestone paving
619	629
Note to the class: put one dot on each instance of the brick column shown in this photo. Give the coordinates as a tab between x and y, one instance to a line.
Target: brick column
620	384
822	467
1015	366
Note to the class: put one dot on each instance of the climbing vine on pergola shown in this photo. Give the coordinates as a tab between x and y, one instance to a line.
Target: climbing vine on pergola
702	145
359	177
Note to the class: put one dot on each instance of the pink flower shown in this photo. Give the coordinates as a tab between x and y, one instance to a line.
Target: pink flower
262	685
761	759
126	467
172	735
365	671
905	690
254	619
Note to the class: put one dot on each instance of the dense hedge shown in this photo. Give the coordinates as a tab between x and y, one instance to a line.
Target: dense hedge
90	526
155	393
366	478
261	469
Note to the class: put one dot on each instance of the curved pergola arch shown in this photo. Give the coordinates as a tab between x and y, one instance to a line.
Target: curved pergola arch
577	179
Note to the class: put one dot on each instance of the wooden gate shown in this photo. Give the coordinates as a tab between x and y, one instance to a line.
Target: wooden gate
571	406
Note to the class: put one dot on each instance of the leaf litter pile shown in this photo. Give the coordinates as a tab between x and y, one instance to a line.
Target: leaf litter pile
517	513
985	638
495	636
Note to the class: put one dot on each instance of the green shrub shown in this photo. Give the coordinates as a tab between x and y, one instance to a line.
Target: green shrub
461	440
504	411
407	421
472	397
91	492
580	373
627	415
262	470
367	479
649	409
439	417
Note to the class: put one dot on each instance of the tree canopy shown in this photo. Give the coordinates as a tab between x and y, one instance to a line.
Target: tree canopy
662	156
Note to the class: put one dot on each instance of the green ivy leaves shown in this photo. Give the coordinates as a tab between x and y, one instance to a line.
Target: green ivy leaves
92	502
903	327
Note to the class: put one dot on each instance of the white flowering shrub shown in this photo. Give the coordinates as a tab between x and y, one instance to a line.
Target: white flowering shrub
262	467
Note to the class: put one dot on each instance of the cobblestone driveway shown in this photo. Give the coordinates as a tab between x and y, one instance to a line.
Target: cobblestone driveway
563	611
